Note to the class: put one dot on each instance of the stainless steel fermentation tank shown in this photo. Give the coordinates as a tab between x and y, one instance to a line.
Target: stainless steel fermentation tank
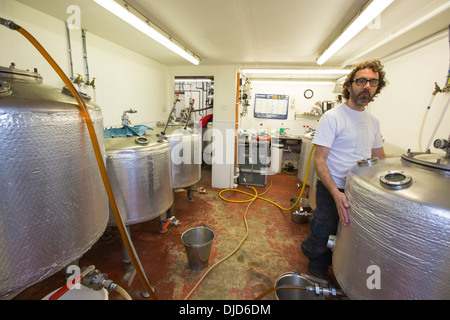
397	245
186	146
53	204
139	169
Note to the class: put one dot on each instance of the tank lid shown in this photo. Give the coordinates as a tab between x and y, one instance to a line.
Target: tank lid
134	143
428	159
13	73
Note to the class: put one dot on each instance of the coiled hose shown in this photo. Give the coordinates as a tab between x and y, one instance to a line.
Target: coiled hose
84	111
254	197
270	201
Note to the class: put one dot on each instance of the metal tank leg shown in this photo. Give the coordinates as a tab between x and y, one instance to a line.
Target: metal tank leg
130	272
190	192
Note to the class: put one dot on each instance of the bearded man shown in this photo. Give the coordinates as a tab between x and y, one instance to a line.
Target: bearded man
345	135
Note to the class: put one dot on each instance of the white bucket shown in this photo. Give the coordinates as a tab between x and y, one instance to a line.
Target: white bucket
276	157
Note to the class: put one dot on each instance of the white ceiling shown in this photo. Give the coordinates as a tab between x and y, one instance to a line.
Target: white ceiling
259	33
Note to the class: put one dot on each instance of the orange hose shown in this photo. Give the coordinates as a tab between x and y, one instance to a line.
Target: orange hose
287	287
98	154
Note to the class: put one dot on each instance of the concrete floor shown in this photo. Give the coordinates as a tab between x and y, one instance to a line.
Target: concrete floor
271	249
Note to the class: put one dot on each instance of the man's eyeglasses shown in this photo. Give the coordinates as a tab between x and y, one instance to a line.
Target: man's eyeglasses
362	82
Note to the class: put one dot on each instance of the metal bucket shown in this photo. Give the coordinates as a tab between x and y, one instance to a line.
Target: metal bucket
198	243
293	279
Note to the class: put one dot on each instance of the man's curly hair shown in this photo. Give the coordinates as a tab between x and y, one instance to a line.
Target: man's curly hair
375	65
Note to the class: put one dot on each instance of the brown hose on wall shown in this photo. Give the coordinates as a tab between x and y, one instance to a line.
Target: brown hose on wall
84	110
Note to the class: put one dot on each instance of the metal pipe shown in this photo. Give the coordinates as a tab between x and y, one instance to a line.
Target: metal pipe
191	106
83	35
170	114
70	51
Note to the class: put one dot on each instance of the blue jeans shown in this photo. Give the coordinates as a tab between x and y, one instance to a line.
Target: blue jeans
323	223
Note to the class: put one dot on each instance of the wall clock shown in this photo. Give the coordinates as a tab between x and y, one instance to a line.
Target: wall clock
308	93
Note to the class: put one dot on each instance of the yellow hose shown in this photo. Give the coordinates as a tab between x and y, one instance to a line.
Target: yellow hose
270	201
97	151
254	197
123	293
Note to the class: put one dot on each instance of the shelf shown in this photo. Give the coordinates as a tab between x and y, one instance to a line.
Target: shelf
307	116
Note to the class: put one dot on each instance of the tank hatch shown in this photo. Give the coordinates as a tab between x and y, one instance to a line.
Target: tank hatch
13	73
428	159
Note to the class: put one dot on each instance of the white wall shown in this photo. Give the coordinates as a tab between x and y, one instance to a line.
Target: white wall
401	106
297	104
223	119
124	79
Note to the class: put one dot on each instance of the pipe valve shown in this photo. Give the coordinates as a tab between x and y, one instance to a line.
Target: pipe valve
331	242
125	119
326	292
441	144
97	281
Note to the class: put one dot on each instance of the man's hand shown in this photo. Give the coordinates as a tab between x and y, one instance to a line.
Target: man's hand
342	204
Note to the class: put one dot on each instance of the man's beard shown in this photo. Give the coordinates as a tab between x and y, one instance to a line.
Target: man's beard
362	98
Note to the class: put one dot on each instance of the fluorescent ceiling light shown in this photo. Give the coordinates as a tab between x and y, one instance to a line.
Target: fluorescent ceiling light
317	83
401	32
370	13
296	71
193	80
140	25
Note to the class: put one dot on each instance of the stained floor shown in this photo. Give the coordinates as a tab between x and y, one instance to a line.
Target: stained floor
271	248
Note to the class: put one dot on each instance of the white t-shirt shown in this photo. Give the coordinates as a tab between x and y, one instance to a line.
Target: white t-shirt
351	135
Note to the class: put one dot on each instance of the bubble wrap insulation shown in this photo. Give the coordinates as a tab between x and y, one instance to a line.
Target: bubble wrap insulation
405	233
186	158
141	181
53	205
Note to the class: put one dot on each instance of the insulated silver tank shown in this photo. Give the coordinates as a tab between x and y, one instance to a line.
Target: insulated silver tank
139	170
397	245
186	156
53	204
